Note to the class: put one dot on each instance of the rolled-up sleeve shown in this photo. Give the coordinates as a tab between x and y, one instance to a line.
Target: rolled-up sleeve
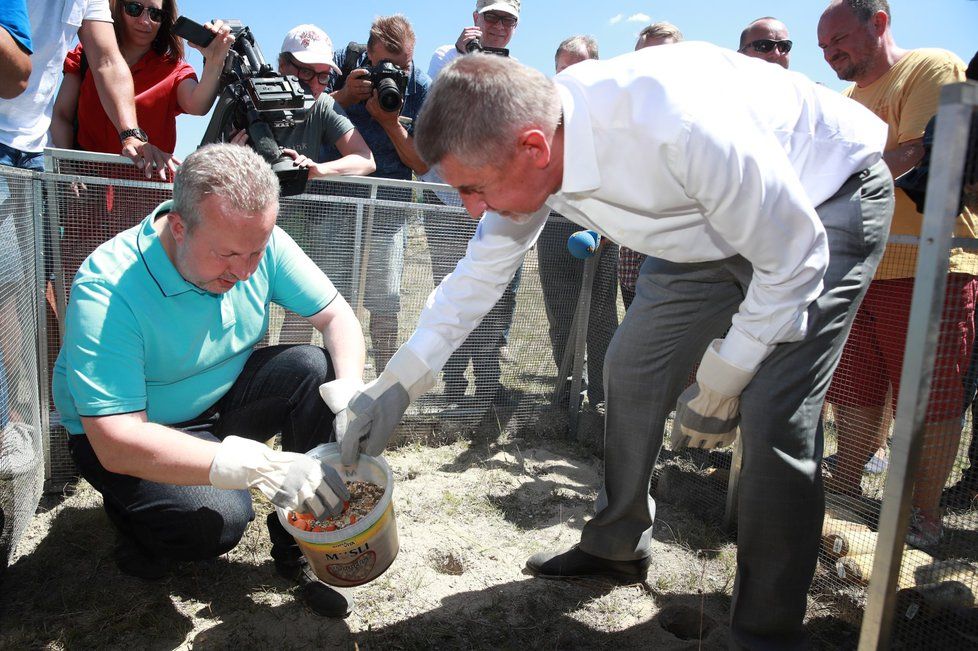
752	199
467	294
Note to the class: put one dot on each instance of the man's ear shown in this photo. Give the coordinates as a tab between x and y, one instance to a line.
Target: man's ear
534	143
178	227
880	22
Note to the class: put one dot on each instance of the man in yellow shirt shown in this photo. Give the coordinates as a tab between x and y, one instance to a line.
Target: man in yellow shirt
902	87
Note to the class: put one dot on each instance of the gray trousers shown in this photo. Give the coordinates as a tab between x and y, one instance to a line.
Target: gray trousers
678	310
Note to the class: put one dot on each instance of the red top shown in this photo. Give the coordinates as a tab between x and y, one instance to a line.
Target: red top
155	80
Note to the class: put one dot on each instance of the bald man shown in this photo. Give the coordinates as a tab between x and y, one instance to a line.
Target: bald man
766	38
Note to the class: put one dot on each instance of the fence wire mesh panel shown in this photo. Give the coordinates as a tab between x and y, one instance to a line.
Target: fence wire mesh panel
385	245
21	445
923	569
89	199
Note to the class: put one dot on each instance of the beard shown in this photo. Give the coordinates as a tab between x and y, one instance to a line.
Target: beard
854	70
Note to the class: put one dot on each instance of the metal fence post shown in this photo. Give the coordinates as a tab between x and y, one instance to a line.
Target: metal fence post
40	316
940	210
365	259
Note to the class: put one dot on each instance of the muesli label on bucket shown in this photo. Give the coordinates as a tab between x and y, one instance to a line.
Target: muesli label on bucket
357	571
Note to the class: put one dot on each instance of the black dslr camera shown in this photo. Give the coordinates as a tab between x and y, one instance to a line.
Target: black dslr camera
255	98
475	45
390	82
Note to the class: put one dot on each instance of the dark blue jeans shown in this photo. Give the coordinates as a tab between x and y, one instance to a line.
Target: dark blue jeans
23	159
277	392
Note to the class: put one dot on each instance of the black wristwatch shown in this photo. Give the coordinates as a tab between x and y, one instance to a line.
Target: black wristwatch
136	133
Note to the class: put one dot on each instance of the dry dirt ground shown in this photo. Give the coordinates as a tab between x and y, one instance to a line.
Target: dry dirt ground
469	512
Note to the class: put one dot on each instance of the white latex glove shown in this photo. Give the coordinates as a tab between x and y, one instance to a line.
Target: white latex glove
372	413
708	412
290	480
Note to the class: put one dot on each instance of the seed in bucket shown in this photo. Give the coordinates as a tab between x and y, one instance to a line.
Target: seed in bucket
364	496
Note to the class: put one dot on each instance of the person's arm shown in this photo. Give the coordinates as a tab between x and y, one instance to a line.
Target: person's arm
904	157
367	416
356	89
64	112
458	304
342	337
918	104
113	80
15	66
128	444
399	137
356	157
196	98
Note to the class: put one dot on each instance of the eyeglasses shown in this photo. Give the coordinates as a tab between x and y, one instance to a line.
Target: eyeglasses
306	74
135	10
765	45
495	19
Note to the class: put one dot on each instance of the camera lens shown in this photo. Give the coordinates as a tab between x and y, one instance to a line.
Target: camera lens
389	95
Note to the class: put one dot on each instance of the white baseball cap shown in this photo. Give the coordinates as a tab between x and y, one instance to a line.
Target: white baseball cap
511	7
309	45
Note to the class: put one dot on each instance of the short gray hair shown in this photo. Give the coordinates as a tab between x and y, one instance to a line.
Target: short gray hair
661	29
478	106
864	10
581	44
234	172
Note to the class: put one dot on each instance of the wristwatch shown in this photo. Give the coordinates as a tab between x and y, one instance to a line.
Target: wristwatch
136	133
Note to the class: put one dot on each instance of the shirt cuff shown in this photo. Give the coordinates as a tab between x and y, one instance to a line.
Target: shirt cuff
743	351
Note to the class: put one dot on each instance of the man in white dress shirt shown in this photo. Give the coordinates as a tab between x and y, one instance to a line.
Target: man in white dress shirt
763	205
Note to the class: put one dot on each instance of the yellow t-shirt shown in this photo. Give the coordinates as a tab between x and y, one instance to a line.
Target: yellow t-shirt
906	98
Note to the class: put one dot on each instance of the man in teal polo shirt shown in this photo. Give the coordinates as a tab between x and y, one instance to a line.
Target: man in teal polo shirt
167	402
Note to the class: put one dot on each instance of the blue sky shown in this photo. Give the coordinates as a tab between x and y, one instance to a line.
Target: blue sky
949	24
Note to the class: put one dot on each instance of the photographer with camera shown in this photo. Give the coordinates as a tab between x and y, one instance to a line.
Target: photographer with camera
382	94
307	53
495	24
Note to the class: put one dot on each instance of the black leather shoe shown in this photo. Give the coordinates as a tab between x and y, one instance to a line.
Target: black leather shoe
325	600
576	563
132	560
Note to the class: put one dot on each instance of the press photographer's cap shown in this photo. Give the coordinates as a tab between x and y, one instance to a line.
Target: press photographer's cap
309	45
511	7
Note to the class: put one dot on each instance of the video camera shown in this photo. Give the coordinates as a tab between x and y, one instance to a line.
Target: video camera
475	45
390	82
255	98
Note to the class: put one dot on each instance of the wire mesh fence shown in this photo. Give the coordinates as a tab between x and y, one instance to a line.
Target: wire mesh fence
923	573
386	244
21	445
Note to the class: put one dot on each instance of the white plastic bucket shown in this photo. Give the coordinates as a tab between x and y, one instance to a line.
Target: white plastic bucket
362	551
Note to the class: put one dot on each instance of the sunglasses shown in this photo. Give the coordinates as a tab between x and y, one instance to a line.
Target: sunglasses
765	45
306	74
495	19
135	10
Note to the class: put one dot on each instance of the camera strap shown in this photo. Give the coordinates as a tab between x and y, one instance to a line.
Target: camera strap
351	57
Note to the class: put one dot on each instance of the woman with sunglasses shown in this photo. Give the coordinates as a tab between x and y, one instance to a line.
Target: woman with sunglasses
165	85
